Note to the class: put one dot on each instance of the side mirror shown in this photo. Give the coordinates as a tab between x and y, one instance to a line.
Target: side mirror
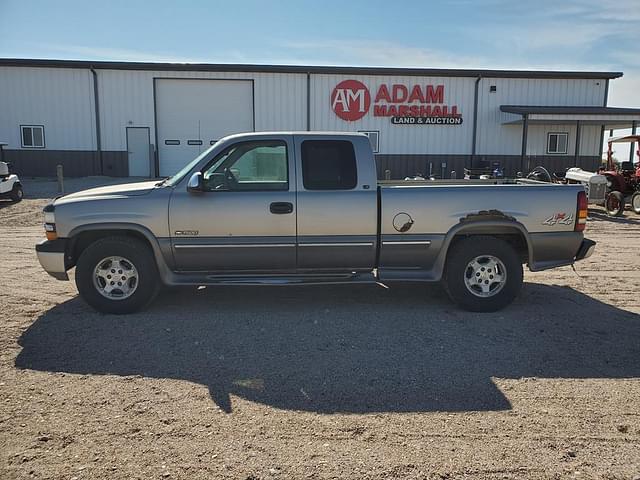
195	183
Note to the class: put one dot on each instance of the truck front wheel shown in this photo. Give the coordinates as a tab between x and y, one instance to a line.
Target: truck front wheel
117	275
483	274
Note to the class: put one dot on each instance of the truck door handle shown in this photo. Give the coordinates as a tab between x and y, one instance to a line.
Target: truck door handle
281	207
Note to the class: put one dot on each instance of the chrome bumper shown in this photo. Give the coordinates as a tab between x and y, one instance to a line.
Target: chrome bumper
51	256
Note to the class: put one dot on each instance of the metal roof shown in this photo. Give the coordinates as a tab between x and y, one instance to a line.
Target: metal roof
567	110
221	67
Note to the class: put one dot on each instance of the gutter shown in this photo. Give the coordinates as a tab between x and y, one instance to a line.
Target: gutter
475	118
96	102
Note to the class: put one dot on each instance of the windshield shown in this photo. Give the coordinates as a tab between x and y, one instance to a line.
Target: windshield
175	178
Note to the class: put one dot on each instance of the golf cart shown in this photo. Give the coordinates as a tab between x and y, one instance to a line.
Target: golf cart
10	186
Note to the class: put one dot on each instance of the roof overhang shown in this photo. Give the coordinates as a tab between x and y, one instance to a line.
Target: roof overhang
610	117
316	69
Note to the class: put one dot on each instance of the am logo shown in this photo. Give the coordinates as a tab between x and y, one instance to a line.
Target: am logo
350	100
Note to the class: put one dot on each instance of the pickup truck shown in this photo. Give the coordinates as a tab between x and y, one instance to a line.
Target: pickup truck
307	208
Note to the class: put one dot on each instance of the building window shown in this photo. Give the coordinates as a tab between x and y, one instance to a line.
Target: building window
374	139
32	136
557	143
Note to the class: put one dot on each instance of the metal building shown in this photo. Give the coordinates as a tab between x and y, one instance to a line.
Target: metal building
149	119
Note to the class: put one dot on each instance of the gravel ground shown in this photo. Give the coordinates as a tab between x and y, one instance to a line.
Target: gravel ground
321	382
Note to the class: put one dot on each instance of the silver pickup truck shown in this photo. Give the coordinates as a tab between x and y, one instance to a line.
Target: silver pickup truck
307	208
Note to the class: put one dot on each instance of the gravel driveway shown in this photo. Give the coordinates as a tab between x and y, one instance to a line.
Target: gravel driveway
321	382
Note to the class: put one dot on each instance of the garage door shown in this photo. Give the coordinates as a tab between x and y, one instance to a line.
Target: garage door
192	114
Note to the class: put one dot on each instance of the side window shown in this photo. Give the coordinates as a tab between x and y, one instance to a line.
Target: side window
328	165
32	136
260	165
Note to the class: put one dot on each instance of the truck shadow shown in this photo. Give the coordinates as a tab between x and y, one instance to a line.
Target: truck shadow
350	349
627	218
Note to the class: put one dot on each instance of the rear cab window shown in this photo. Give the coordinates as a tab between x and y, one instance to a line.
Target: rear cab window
329	165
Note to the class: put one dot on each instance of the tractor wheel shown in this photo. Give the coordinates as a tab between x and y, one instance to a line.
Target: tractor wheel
635	202
614	204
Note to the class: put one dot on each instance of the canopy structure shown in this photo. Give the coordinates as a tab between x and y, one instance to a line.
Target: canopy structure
609	118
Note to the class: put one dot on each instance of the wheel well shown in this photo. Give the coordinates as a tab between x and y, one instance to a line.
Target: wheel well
512	236
82	240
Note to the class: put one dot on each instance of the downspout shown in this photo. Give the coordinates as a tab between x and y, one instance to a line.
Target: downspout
96	102
308	101
475	119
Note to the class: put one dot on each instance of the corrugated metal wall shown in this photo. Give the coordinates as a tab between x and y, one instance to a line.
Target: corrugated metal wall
61	99
494	138
126	99
400	139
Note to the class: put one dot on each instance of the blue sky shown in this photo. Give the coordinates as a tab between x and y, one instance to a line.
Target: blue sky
566	35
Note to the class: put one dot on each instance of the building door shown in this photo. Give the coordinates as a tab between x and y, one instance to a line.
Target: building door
192	114
138	151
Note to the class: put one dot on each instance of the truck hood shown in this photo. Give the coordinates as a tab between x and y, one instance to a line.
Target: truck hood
120	190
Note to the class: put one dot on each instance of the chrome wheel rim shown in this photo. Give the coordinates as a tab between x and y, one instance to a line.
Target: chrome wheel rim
485	276
116	278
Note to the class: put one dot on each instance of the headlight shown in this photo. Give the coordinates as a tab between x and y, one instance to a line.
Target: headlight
49	217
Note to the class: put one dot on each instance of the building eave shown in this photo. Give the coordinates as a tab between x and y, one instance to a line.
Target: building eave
315	69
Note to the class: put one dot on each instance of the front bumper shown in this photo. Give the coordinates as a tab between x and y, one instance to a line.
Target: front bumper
51	255
586	249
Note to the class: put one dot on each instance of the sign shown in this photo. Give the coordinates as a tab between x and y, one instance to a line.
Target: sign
404	104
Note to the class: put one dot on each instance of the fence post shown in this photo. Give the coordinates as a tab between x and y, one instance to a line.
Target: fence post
60	175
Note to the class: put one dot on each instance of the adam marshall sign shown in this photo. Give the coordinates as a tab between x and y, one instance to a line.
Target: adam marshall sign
405	105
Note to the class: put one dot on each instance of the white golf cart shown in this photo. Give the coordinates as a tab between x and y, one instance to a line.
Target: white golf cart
10	186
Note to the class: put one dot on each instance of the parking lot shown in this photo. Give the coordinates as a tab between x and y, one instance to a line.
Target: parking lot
321	382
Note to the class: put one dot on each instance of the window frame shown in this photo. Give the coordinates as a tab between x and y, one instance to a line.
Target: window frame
234	145
566	144
377	132
41	127
302	170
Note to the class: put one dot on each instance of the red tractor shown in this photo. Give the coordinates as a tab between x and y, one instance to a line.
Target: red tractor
624	182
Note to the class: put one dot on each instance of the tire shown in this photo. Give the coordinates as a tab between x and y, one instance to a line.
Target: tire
614	204
635	202
16	193
123	259
488	253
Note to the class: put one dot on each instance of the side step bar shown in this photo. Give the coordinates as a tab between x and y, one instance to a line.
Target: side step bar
273	280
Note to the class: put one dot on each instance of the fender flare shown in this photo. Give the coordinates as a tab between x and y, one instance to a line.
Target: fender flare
476	226
161	261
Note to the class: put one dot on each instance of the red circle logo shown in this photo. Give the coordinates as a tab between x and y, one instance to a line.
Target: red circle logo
350	100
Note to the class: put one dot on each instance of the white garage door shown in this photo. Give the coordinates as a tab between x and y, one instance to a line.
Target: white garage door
191	114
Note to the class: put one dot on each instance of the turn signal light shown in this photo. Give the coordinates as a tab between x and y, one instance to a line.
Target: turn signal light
581	213
50	231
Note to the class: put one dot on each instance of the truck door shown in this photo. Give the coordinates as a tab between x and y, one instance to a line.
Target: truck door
245	220
337	203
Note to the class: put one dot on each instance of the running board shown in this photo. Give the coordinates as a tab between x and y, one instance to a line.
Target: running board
273	280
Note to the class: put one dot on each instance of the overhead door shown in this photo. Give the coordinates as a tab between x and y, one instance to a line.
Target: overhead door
192	114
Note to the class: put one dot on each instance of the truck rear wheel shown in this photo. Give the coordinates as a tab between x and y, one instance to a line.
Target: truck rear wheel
483	274
117	275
